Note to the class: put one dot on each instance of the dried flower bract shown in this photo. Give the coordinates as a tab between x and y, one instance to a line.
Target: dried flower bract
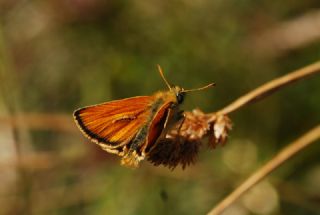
182	143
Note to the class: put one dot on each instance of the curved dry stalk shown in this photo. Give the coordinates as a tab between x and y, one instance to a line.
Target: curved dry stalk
265	170
271	87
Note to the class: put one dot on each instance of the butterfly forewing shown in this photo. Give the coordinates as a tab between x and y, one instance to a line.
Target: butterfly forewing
114	123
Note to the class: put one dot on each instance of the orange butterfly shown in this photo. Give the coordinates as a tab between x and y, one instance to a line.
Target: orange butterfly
131	127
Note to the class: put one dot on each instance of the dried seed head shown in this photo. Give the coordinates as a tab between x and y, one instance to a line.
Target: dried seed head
219	130
181	144
172	152
195	126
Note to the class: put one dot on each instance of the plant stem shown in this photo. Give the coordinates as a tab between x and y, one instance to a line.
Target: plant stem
280	158
271	87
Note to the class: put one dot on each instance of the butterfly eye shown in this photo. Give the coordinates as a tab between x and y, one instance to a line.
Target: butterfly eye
180	97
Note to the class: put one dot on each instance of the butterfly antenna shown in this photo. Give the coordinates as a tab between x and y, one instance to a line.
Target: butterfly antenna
162	76
201	88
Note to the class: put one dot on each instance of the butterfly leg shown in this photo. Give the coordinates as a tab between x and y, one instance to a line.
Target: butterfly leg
173	117
182	116
168	117
181	123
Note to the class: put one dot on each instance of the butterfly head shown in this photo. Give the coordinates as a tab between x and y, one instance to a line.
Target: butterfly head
179	93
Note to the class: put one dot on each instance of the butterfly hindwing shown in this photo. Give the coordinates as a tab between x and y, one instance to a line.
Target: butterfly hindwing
157	125
114	123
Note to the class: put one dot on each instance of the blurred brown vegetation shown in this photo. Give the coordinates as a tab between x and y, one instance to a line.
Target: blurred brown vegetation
56	56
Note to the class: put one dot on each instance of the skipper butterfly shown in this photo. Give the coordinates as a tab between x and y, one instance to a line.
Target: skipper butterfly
131	127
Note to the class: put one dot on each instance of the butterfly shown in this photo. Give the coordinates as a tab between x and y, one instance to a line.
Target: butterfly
131	127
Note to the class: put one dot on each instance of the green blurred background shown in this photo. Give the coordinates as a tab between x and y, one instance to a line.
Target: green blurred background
59	55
